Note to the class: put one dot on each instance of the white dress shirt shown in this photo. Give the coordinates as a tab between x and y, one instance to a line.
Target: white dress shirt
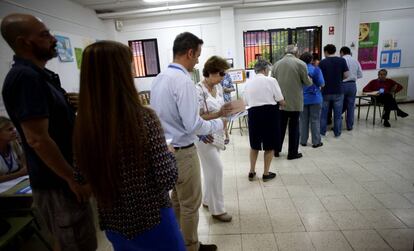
174	99
262	90
355	70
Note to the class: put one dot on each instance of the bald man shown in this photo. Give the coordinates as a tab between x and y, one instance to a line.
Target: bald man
44	117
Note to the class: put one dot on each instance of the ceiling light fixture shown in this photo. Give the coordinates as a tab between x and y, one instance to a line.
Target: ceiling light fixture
163	1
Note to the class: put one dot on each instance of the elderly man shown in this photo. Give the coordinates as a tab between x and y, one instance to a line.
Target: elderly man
292	75
43	116
386	88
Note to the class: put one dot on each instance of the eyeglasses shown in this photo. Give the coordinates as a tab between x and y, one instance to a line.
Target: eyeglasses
222	74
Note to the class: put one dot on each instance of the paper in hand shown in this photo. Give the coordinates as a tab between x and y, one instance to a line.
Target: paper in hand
237	106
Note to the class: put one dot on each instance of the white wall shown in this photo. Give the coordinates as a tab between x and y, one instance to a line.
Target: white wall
62	17
165	28
396	19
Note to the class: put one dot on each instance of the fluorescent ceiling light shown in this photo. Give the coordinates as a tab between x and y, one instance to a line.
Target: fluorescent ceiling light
163	1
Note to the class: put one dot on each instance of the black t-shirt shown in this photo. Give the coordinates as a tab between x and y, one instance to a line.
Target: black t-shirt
30	92
333	69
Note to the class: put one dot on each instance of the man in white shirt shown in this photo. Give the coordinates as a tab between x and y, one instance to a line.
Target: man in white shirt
349	86
174	98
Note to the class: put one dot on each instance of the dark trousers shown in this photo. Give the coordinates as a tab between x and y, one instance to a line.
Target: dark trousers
389	104
291	118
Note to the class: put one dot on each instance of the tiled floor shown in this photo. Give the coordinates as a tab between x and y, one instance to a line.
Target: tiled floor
354	193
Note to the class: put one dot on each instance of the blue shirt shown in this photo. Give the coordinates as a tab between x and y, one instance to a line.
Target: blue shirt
174	99
333	69
227	83
312	94
30	92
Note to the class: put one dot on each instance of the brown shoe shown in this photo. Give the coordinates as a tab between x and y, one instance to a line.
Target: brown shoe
223	217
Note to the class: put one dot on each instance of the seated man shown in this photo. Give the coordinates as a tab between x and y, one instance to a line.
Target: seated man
386	88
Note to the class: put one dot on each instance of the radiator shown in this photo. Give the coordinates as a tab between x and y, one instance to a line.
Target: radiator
402	80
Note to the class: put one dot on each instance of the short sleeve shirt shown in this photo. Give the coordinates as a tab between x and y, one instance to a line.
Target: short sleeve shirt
333	69
30	92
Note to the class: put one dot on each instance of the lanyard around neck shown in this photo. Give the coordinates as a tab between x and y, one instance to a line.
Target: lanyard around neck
176	67
8	160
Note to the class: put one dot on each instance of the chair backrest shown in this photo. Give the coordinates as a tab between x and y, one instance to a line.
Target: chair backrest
144	97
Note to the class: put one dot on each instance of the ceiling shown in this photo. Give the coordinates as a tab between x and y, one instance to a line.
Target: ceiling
125	9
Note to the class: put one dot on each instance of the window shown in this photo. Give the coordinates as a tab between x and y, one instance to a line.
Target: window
271	44
145	57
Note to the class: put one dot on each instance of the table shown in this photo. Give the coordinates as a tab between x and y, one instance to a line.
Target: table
369	98
12	202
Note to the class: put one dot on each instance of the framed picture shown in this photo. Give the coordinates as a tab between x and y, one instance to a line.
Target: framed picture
64	49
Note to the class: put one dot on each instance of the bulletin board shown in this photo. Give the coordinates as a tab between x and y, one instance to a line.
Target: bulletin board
403	37
237	75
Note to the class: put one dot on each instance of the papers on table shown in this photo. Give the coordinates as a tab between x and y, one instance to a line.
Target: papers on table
4	186
371	93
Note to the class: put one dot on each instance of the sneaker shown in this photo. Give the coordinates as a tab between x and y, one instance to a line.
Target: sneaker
223	217
252	176
207	247
387	123
295	156
303	144
268	177
402	114
317	145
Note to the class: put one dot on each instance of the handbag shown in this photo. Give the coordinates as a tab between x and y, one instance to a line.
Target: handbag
218	137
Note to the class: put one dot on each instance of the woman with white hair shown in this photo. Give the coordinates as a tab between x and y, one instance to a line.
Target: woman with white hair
263	96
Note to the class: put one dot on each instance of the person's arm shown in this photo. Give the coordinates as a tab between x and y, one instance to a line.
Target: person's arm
162	160
188	108
396	87
345	69
38	138
370	87
303	71
319	80
15	175
359	71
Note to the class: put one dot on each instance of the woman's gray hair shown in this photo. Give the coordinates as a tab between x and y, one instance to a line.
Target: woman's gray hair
261	65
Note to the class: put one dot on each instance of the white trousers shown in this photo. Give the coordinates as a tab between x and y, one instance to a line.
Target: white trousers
213	177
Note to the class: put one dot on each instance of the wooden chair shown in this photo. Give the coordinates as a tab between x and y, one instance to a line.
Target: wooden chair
18	226
144	97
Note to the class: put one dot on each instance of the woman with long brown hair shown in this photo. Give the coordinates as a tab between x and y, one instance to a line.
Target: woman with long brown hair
121	150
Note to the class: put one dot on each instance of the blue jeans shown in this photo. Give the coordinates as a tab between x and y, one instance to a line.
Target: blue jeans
337	100
311	115
164	236
349	89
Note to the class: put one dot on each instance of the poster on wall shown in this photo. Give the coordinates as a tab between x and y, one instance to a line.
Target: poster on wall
391	58
78	55
368	45
64	49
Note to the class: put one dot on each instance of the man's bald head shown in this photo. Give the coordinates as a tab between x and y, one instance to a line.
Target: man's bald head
15	25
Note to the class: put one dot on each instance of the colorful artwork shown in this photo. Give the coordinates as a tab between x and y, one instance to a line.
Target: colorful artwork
368	45
64	49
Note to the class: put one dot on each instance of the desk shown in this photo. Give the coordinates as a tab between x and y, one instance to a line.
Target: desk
10	201
369	98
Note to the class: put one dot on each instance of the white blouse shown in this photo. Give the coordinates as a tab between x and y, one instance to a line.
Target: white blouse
262	90
213	103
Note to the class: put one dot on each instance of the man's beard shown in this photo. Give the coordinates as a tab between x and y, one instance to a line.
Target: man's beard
44	54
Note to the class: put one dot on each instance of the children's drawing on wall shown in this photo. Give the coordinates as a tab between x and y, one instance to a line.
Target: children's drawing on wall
64	49
368	45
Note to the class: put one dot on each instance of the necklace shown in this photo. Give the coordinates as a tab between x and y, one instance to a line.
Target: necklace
211	90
